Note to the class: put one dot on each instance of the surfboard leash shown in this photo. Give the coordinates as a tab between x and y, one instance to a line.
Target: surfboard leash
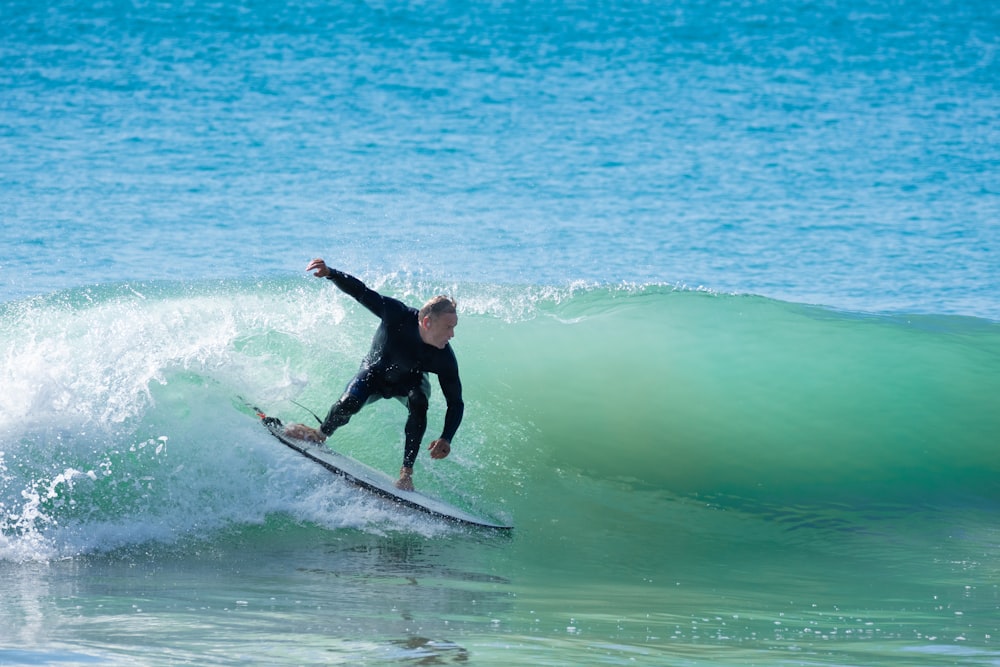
315	416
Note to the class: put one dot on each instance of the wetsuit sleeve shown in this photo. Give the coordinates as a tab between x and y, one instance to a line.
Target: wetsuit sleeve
451	387
360	292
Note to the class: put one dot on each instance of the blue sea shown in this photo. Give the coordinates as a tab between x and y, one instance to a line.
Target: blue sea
728	278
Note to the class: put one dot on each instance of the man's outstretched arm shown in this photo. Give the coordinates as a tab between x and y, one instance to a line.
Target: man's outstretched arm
350	286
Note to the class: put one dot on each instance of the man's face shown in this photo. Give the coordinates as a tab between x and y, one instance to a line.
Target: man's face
437	331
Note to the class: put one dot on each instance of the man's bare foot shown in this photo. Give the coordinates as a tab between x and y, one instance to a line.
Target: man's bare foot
405	481
303	432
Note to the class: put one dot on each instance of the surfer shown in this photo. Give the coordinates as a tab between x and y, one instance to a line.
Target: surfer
408	344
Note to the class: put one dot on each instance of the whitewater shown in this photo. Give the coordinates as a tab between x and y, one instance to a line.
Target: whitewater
729	331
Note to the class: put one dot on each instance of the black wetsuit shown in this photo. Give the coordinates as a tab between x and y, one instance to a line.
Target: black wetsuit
395	367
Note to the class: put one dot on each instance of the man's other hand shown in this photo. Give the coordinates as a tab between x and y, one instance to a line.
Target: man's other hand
440	448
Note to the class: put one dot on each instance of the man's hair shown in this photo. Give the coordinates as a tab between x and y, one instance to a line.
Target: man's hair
439	305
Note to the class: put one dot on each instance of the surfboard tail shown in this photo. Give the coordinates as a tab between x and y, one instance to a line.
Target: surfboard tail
268	421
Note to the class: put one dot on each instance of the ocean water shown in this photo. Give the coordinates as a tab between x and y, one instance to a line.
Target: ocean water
729	330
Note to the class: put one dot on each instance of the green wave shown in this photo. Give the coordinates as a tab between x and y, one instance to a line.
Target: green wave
121	407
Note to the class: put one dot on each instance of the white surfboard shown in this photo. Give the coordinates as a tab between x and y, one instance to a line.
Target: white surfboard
374	481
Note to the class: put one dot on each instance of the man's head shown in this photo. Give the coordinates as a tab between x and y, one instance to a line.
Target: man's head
438	319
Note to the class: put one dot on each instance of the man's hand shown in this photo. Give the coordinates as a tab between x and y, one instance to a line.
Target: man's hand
303	432
320	267
440	448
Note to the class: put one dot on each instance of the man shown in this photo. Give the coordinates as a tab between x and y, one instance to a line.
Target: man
407	345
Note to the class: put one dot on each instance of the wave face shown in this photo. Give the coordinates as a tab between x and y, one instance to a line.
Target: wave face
121	421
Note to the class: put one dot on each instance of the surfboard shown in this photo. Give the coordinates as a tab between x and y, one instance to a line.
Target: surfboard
373	480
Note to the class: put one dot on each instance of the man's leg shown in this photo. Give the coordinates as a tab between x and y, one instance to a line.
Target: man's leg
417	401
357	393
416	424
